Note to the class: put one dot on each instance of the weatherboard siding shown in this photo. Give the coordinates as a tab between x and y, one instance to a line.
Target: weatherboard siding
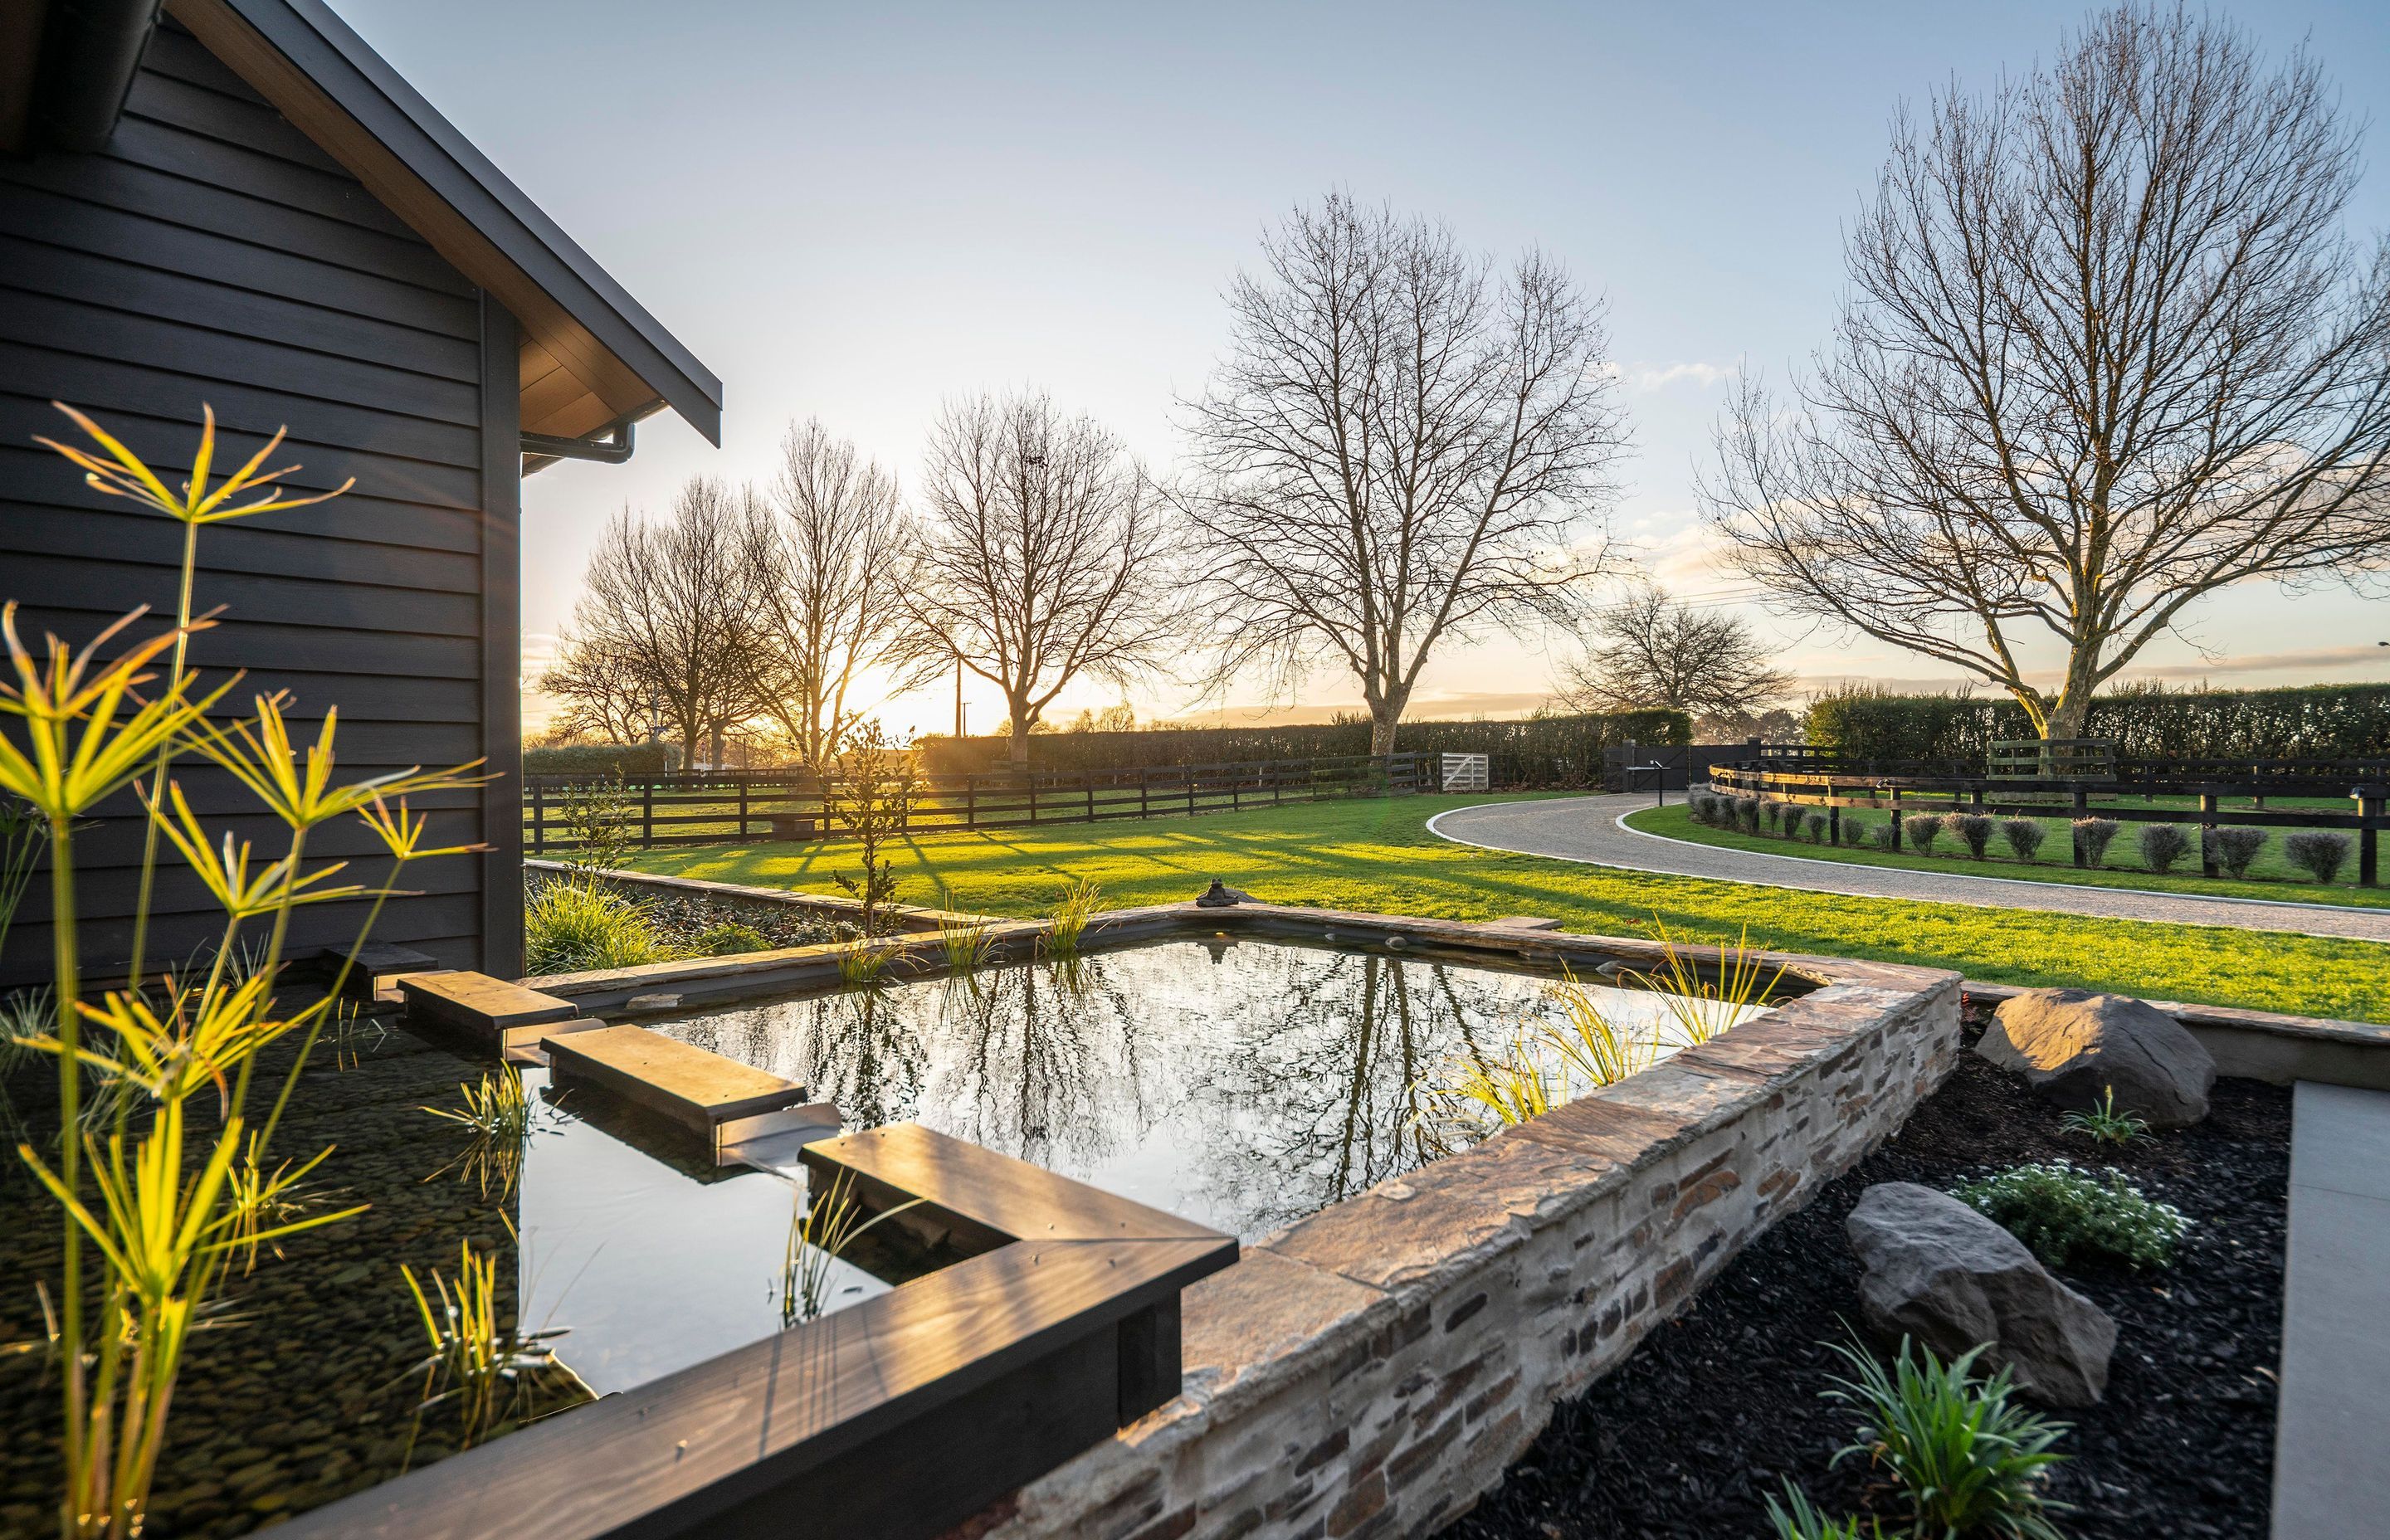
213	254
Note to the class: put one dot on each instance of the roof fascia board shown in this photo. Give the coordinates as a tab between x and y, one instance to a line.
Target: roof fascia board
427	148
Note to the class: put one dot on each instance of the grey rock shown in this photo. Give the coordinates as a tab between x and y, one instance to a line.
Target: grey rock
1946	1276
2072	1045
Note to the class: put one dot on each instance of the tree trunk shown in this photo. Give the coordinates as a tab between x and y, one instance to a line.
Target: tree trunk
1017	750
1382	722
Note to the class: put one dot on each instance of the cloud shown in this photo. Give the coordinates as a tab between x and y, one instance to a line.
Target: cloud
2328	657
1644	379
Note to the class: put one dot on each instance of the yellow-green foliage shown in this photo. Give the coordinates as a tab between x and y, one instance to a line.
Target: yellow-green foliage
572	924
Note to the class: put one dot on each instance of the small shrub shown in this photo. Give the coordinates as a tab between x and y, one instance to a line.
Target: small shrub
2237	849
2105	1124
728	937
2024	835
1968	1455
1816	822
2096	835
1770	810
2319	852
1884	832
2062	1212
1697	806
1746	813
2162	845
1923	829
575	924
1976	830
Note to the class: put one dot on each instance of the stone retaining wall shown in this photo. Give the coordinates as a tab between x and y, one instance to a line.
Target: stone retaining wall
1372	1369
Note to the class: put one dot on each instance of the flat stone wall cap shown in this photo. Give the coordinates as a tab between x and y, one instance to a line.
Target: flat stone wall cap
2073	1047
1247	1327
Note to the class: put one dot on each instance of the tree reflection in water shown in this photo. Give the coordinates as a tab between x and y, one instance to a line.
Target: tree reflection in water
1240	1083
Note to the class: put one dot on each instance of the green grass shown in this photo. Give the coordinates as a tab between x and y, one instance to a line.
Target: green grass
2123	869
1377	854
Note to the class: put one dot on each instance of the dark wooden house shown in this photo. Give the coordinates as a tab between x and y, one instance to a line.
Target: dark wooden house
236	202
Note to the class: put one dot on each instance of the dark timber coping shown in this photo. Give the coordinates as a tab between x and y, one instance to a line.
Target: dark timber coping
900	1417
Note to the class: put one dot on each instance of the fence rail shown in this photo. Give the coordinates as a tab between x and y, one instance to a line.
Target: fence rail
703	807
1820	780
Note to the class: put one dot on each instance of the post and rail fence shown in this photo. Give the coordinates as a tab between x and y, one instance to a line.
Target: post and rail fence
713	807
2077	780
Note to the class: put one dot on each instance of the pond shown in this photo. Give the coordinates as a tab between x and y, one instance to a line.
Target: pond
1242	1084
1239	1082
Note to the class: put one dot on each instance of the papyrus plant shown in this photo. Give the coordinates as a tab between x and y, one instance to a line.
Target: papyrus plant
168	1208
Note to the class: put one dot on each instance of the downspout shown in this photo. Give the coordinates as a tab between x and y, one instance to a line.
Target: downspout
91	50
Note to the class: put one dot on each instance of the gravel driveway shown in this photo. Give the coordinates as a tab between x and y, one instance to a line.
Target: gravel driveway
1586	830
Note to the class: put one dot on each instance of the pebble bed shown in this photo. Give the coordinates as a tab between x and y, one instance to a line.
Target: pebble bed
1719	1405
298	1393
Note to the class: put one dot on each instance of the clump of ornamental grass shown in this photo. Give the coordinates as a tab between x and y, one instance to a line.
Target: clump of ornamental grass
1797	1518
2094	835
1976	831
478	1367
1967	1453
2062	1211
1073	917
2237	849
574	924
2319	852
2103	1124
1702	1007
2024	837
1921	829
2162	845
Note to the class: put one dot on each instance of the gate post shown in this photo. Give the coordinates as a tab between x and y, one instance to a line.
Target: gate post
2370	802
2082	811
1895	820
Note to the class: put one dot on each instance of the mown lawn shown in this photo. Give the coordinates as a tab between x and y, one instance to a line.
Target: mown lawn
1378	855
2272	877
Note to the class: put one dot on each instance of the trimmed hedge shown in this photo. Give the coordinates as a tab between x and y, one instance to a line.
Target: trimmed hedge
1549	751
602	759
2319	721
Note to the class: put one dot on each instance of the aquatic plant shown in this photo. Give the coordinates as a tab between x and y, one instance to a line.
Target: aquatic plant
863	966
819	1232
1702	1007
498	1113
572	924
968	941
165	1221
486	1370
1587	1042
1969	1456
1072	916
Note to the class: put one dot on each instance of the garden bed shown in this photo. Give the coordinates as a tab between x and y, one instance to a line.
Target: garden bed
1689	1436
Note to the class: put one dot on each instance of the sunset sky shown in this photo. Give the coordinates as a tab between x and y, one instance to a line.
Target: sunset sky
852	211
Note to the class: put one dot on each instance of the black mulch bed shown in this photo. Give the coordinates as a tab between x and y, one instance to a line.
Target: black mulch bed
1717	1407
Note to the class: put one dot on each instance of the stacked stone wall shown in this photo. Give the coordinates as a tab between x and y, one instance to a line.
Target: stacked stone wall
1372	1369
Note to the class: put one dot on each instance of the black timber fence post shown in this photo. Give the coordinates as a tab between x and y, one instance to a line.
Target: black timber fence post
647	813
2370	803
538	817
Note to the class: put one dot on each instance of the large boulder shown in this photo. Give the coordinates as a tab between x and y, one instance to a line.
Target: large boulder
1944	1275
2072	1046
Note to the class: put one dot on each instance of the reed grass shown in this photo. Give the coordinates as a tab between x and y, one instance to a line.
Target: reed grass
1072	916
968	941
819	1232
478	1365
499	1115
1700	1008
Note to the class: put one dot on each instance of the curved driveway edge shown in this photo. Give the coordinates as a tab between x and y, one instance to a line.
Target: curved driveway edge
1591	830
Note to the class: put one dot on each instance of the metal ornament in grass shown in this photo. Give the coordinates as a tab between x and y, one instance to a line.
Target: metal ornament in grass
1969	1457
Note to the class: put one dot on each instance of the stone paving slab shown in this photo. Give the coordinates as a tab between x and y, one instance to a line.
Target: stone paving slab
2332	1451
1586	830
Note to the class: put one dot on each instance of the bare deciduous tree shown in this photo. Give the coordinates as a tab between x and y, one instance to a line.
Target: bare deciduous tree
1648	651
2107	350
666	623
1399	449
1043	555
825	556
